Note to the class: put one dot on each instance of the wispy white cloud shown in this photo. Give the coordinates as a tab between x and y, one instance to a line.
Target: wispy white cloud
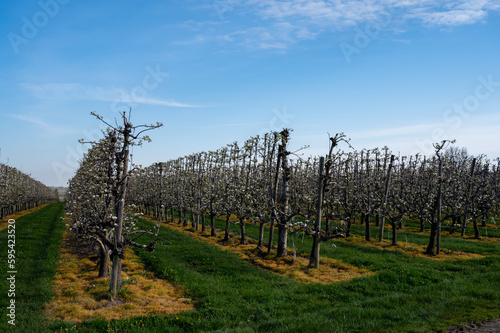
200	25
196	40
75	91
228	125
321	13
402	41
153	101
393	132
279	36
308	18
478	134
474	132
454	13
341	14
478	124
42	124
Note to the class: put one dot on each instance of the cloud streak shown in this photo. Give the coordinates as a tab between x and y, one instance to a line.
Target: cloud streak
281	24
342	14
476	134
75	91
42	124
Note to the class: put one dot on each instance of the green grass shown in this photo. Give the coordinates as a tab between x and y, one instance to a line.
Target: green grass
38	238
448	243
406	294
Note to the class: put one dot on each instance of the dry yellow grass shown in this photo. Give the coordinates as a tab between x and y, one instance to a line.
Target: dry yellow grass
457	233
415	250
330	270
3	222
80	295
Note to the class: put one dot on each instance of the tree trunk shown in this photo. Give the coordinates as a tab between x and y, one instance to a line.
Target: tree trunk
116	276
282	241
213	232
367	228
438	220
274	200
454	221
348	228
180	216
477	235
260	245
103	261
317	227
243	238
394	226
467	198
198	212
283	216
386	193
432	240
271	235
119	247
184	218
203	226
226	230
312	256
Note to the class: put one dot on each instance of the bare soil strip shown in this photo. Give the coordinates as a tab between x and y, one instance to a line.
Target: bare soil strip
330	271
80	295
488	326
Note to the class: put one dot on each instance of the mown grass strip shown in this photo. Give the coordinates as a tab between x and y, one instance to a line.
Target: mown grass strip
448	244
296	268
38	238
408	294
79	294
16	216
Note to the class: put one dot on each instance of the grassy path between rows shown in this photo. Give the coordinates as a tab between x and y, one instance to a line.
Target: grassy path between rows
304	243
16	216
37	241
406	294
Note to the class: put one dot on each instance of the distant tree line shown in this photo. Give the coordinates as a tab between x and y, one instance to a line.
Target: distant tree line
19	191
262	182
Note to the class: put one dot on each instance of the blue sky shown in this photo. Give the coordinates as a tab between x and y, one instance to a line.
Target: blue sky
397	73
